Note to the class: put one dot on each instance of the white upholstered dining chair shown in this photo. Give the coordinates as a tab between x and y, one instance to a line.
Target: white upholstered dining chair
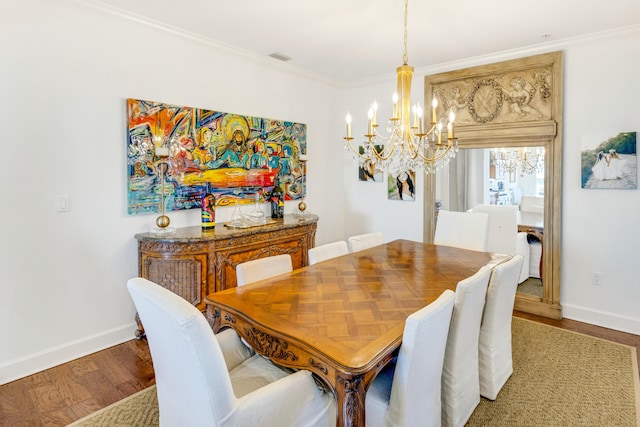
204	379
327	251
263	268
361	242
466	230
407	393
494	347
503	236
460	375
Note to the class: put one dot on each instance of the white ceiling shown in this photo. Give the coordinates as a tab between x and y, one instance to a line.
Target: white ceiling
353	40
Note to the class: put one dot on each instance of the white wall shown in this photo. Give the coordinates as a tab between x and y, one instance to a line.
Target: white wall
65	73
600	228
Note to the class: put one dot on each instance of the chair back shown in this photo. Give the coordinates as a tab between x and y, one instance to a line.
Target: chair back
503	227
466	230
494	347
534	204
263	268
415	391
193	383
460	376
504	236
327	251
361	242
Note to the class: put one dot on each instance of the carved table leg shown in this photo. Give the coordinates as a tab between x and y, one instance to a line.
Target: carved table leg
212	315
350	401
140	331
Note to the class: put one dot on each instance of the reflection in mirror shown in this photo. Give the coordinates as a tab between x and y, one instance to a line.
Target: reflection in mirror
502	176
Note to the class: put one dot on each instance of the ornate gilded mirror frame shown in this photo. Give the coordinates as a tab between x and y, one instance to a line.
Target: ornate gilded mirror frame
516	103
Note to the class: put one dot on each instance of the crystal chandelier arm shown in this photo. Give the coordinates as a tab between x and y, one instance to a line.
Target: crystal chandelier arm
348	143
441	153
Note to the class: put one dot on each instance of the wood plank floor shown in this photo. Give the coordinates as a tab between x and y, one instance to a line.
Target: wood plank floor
65	393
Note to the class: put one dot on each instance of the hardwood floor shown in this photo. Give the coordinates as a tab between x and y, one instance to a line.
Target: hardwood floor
65	393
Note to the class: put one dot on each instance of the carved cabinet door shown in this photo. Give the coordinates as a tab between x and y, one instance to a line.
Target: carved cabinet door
185	275
226	260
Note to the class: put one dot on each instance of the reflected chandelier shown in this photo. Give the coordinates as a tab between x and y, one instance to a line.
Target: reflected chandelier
528	161
409	146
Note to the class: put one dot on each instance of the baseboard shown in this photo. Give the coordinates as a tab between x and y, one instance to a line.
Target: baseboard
22	367
601	318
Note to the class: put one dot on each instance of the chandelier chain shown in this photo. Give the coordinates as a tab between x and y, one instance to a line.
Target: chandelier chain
405	57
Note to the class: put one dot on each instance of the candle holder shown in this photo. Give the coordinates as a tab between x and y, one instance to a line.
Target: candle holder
302	206
162	166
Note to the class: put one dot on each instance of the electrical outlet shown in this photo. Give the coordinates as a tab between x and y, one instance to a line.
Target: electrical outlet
596	278
63	203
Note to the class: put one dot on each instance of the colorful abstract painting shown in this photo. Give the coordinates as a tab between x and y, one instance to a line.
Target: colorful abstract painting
239	157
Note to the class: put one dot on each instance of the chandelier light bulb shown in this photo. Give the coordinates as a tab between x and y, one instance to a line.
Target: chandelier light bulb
395	105
420	114
374	107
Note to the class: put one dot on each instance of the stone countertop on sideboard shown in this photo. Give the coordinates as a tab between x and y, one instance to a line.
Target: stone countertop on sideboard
196	234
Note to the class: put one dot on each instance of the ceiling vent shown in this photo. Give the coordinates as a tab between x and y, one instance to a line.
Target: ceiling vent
280	56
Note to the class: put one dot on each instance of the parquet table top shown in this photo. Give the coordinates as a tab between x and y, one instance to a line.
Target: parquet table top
344	317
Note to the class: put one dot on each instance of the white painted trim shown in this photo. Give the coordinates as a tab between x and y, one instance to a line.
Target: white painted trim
601	318
121	15
166	29
507	55
22	367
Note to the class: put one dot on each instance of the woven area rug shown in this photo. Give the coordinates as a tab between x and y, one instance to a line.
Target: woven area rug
560	378
563	378
137	410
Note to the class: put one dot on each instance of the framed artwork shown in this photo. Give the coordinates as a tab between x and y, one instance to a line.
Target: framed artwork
609	161
238	157
366	169
402	187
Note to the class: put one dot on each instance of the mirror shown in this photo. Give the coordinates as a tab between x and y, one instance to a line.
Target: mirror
487	125
502	176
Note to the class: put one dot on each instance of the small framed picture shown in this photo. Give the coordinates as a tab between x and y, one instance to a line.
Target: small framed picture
402	186
367	171
608	161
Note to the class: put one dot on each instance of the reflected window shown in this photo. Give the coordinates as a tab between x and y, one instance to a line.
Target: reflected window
495	176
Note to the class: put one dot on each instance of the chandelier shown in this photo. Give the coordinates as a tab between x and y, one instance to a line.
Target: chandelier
409	144
509	161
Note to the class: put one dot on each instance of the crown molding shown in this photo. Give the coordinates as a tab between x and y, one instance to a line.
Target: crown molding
540	48
149	24
143	22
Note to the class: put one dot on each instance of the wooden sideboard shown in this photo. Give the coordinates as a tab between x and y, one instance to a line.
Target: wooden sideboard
193	263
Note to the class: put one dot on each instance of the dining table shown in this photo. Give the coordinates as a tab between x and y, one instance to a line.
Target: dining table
343	318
